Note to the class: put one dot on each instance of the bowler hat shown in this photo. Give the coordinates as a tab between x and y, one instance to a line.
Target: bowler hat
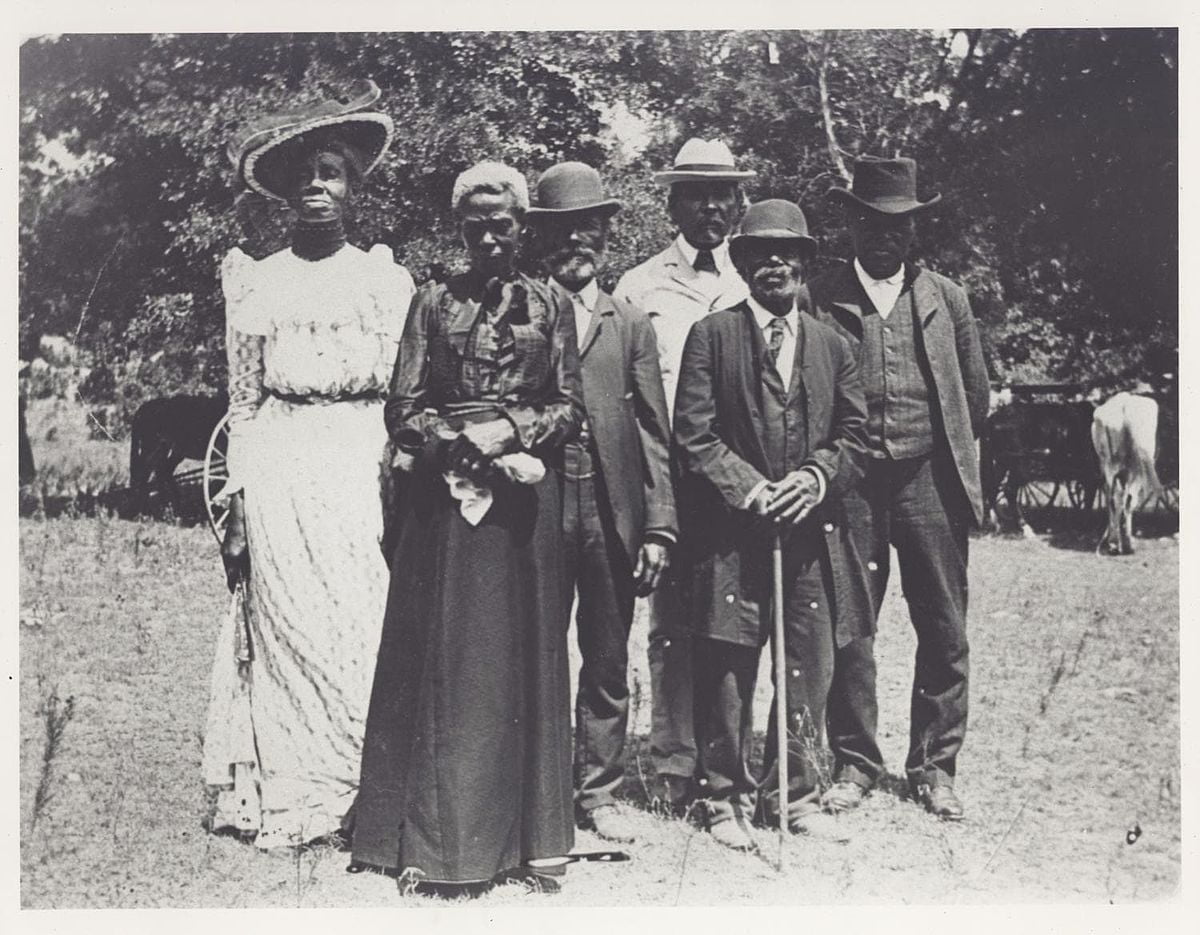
702	161
569	187
773	219
258	152
888	186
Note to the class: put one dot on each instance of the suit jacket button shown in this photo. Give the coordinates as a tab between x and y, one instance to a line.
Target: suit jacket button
813	604
829	527
729	598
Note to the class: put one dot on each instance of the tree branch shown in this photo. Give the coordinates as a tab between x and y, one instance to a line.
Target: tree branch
835	152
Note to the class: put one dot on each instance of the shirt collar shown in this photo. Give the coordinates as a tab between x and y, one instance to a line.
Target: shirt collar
720	253
868	282
590	294
763	317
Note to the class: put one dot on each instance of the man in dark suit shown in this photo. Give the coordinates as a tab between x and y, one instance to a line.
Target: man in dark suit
619	508
927	398
769	427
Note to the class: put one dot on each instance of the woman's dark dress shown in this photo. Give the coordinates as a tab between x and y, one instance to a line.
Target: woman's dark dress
466	763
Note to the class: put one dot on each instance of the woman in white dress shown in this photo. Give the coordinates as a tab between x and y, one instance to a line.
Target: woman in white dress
312	333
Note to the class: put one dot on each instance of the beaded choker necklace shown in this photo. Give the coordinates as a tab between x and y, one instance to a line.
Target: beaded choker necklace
316	241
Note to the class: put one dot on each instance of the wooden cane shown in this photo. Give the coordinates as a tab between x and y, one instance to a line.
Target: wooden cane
781	724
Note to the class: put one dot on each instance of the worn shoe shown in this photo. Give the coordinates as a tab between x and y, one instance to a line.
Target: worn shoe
610	823
940	801
733	833
819	826
842	796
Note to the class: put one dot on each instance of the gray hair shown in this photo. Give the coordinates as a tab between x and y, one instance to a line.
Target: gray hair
495	178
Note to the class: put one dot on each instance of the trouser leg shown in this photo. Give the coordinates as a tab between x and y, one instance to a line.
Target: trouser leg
853	710
808	663
603	621
930	526
669	652
724	718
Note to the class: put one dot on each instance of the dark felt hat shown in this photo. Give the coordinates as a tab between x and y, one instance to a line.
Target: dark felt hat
570	187
888	186
259	151
773	219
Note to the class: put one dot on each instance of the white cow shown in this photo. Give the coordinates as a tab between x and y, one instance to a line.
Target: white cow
1124	431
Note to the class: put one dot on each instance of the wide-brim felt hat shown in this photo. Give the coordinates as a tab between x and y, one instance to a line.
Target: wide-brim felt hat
260	151
703	161
569	188
773	219
888	186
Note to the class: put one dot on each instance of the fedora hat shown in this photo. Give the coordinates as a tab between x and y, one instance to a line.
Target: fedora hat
258	152
773	219
700	161
888	186
569	187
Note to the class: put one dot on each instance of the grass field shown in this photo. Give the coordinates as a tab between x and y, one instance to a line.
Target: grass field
1073	744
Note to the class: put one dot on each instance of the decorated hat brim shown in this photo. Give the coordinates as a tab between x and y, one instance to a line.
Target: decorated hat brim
370	133
671	176
608	207
896	206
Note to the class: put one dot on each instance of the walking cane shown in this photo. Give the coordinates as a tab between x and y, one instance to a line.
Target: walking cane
781	725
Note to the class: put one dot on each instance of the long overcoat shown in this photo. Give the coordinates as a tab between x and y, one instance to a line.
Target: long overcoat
718	430
948	341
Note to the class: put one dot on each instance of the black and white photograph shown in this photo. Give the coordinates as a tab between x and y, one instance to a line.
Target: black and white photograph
478	468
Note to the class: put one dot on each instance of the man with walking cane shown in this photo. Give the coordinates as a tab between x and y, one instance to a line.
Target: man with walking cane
770	430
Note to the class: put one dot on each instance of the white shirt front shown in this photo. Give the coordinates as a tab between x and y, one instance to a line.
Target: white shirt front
883	293
787	352
584	303
720	257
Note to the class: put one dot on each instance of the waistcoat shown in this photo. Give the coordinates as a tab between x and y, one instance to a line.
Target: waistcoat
899	419
785	418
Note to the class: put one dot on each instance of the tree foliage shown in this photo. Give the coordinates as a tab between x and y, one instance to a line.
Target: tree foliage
1056	151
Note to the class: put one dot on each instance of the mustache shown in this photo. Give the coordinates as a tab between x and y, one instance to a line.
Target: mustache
573	253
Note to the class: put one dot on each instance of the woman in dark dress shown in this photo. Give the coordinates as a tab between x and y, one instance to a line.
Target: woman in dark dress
466	772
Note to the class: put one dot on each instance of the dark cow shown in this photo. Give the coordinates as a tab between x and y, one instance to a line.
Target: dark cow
1032	442
163	433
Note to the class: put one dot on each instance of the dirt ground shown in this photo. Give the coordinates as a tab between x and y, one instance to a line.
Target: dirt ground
1070	773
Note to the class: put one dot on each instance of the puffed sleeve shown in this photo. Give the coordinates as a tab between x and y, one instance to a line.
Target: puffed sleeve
245	328
393	295
558	416
409	425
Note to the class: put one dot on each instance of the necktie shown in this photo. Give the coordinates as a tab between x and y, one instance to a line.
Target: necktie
704	262
774	341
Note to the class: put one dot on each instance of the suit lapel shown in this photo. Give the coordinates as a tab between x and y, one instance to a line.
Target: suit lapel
754	364
926	301
603	310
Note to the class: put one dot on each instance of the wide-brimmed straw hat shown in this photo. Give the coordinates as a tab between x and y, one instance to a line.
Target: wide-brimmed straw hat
568	188
703	161
259	151
773	219
888	186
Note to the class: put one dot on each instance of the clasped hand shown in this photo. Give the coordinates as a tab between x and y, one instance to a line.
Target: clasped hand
788	500
472	452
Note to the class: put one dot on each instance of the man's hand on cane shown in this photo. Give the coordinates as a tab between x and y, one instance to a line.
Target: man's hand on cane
793	497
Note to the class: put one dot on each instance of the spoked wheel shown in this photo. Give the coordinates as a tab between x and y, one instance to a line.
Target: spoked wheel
1169	497
1037	495
1080	495
216	473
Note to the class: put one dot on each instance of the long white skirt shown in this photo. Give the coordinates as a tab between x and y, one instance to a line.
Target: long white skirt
285	728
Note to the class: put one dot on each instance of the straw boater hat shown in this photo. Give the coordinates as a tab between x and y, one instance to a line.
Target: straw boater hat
888	186
773	219
702	161
259	151
568	188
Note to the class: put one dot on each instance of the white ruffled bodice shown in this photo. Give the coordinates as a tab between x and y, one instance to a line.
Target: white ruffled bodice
324	329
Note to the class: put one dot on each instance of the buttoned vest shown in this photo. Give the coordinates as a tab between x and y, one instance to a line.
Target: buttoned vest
899	419
785	417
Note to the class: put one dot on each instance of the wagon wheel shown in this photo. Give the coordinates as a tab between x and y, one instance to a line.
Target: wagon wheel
216	473
1078	493
1037	495
1169	497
